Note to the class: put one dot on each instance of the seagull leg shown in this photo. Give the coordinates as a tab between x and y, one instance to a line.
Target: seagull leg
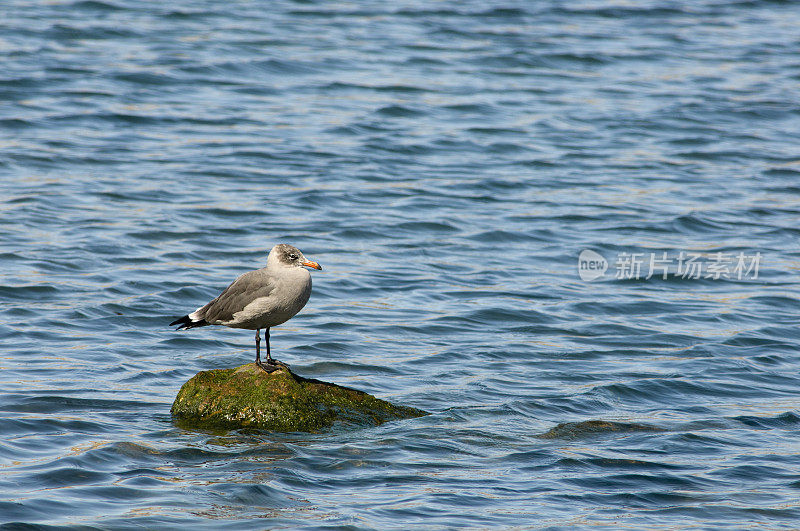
269	365
269	357
258	348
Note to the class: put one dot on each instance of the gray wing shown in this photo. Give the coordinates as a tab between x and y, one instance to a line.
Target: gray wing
242	291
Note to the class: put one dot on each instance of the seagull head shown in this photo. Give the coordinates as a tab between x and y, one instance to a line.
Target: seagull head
289	256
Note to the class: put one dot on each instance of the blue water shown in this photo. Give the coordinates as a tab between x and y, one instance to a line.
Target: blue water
446	162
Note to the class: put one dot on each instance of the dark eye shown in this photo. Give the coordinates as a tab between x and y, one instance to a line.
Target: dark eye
292	256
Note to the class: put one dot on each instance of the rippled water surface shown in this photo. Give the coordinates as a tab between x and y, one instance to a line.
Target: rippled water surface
446	162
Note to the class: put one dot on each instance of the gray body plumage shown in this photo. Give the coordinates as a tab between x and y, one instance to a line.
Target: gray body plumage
258	299
262	298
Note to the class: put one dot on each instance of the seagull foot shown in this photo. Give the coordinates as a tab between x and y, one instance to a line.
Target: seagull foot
271	366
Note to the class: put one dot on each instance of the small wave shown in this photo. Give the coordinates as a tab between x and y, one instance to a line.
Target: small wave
97	5
399	111
61	32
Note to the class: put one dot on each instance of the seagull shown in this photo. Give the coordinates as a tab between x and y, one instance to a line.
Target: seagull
260	299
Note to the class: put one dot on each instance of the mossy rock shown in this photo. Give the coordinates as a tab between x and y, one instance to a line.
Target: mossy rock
249	397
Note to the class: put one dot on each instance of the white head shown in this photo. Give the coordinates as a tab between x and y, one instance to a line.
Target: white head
285	255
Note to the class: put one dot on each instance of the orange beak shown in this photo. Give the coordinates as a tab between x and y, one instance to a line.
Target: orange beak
312	264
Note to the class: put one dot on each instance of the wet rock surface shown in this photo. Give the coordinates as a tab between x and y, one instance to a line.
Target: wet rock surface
249	397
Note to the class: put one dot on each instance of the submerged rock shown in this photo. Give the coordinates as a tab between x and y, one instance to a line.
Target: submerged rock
248	397
575	430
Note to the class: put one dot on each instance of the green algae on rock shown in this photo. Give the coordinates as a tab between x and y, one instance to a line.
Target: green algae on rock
249	397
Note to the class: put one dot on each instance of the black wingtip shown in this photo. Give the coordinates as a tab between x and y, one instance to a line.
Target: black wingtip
182	321
186	322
